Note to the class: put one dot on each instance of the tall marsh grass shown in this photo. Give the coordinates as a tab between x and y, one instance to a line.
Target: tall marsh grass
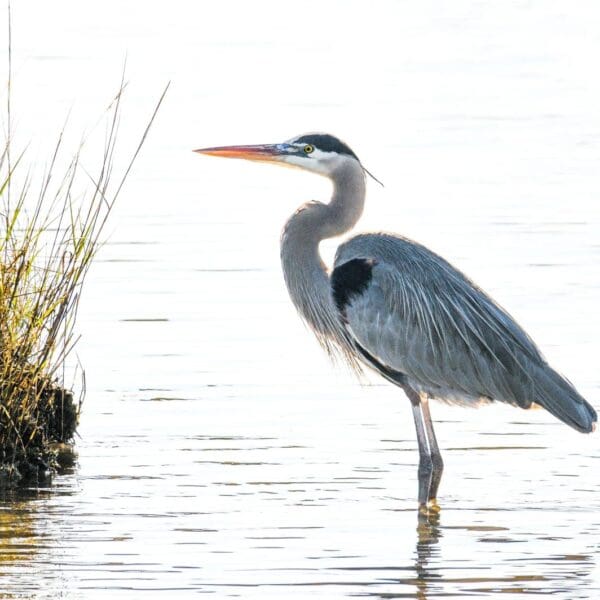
49	235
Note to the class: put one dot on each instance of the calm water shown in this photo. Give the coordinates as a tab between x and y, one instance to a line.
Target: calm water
220	453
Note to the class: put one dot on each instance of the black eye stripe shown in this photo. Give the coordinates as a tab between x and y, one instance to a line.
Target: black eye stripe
325	143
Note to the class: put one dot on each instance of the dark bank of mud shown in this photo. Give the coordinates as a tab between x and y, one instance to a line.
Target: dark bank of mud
42	441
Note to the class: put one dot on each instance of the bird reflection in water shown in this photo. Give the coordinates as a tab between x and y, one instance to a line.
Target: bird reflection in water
427	552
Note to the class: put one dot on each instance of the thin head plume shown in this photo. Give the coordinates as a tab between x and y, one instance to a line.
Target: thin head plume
371	175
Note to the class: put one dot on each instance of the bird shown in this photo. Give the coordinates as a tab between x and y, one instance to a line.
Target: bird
393	306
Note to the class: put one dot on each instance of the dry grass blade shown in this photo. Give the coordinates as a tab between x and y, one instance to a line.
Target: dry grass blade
47	244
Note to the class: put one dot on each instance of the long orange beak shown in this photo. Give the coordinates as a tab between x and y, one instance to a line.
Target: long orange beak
262	152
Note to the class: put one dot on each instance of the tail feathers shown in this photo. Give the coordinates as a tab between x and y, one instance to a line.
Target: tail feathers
559	397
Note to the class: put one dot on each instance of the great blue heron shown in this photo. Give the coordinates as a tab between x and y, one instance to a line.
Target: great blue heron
402	310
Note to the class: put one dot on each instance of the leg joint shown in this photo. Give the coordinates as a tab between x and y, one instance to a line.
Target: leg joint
426	465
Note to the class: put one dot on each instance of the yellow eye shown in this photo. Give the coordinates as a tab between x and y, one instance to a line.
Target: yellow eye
308	149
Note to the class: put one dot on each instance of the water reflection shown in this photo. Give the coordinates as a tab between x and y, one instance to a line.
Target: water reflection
436	576
18	537
427	555
163	525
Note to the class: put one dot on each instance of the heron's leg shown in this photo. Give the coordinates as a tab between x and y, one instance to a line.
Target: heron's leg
436	455
425	462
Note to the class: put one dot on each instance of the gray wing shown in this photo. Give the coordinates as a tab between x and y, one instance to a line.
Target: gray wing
419	316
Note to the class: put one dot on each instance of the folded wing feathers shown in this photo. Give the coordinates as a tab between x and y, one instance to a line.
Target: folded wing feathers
449	333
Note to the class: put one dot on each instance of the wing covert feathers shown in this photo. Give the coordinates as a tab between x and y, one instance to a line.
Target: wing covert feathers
417	315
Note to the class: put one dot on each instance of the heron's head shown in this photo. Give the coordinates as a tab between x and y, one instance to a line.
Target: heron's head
317	152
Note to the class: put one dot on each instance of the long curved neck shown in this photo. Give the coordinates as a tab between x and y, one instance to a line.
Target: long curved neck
306	275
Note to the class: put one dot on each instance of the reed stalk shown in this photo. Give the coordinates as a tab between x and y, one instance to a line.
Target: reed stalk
50	233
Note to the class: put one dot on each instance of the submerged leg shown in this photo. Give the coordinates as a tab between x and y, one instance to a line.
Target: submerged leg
425	461
436	455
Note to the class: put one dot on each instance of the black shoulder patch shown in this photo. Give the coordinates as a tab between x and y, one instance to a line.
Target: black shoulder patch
351	279
327	143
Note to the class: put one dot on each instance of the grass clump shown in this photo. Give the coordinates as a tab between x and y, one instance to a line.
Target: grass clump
49	235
